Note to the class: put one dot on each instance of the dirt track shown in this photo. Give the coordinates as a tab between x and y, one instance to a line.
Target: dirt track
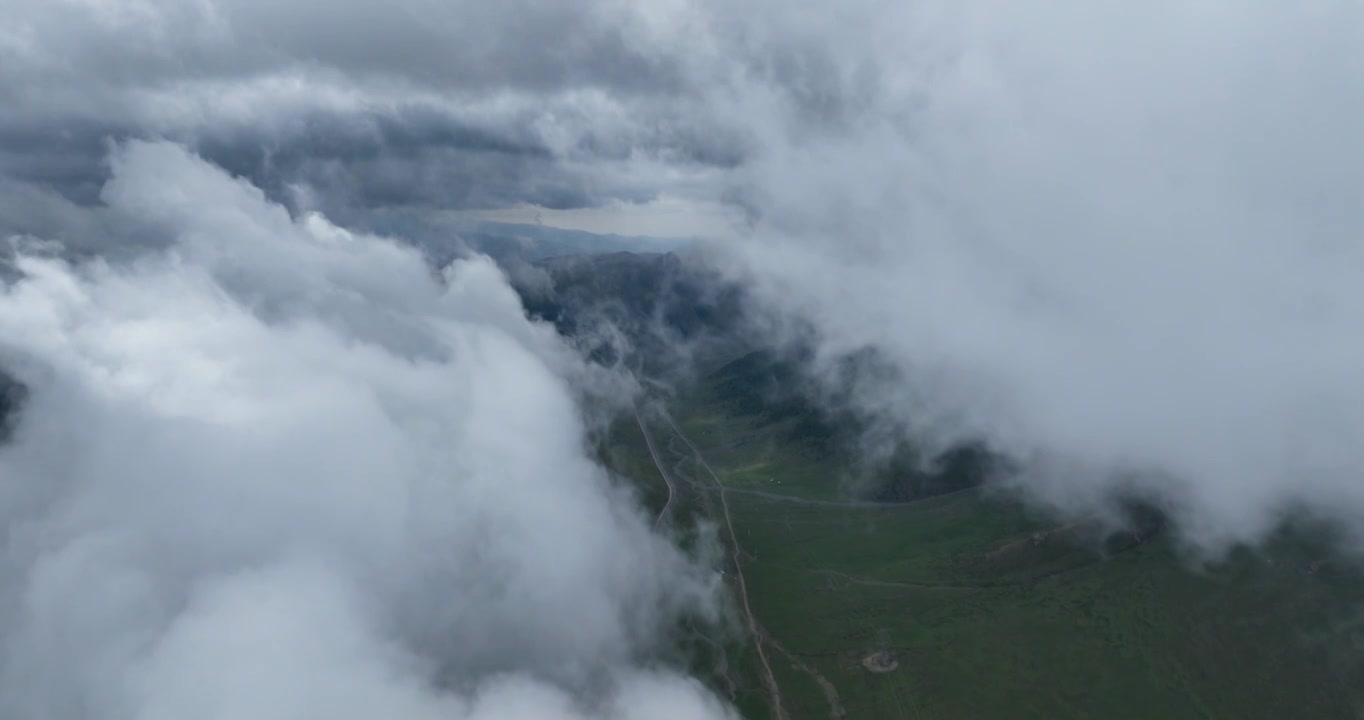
667	477
759	635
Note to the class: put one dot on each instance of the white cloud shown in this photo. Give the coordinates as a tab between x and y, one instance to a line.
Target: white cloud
282	470
1122	238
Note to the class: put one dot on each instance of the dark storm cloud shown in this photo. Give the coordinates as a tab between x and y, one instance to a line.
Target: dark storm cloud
67	158
415	103
453	46
406	157
526	44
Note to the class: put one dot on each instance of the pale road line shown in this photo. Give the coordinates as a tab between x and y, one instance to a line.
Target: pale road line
653	453
836	711
721	662
769	678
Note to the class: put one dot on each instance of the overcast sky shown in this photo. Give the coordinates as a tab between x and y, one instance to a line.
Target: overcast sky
448	105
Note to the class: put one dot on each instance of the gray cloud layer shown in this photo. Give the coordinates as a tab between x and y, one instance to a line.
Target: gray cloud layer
451	105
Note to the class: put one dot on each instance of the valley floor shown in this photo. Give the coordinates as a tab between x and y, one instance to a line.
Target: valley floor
967	605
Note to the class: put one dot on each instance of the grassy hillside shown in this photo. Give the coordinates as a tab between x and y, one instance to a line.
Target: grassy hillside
652	312
969	605
952	601
767	412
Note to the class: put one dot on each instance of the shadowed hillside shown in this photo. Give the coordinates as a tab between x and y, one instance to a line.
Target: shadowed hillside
656	313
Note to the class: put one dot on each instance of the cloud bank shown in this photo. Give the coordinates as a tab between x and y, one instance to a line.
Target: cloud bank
283	470
352	106
1123	244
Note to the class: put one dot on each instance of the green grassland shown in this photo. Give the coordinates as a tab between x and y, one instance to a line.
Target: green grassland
986	608
983	623
717	650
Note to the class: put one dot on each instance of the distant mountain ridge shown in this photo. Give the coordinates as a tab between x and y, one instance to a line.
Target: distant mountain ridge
650	311
446	237
540	242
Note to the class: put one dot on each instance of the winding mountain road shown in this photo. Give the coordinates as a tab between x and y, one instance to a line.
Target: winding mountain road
662	470
759	635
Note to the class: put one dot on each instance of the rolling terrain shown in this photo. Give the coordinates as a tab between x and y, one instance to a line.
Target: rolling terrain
918	590
968	604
